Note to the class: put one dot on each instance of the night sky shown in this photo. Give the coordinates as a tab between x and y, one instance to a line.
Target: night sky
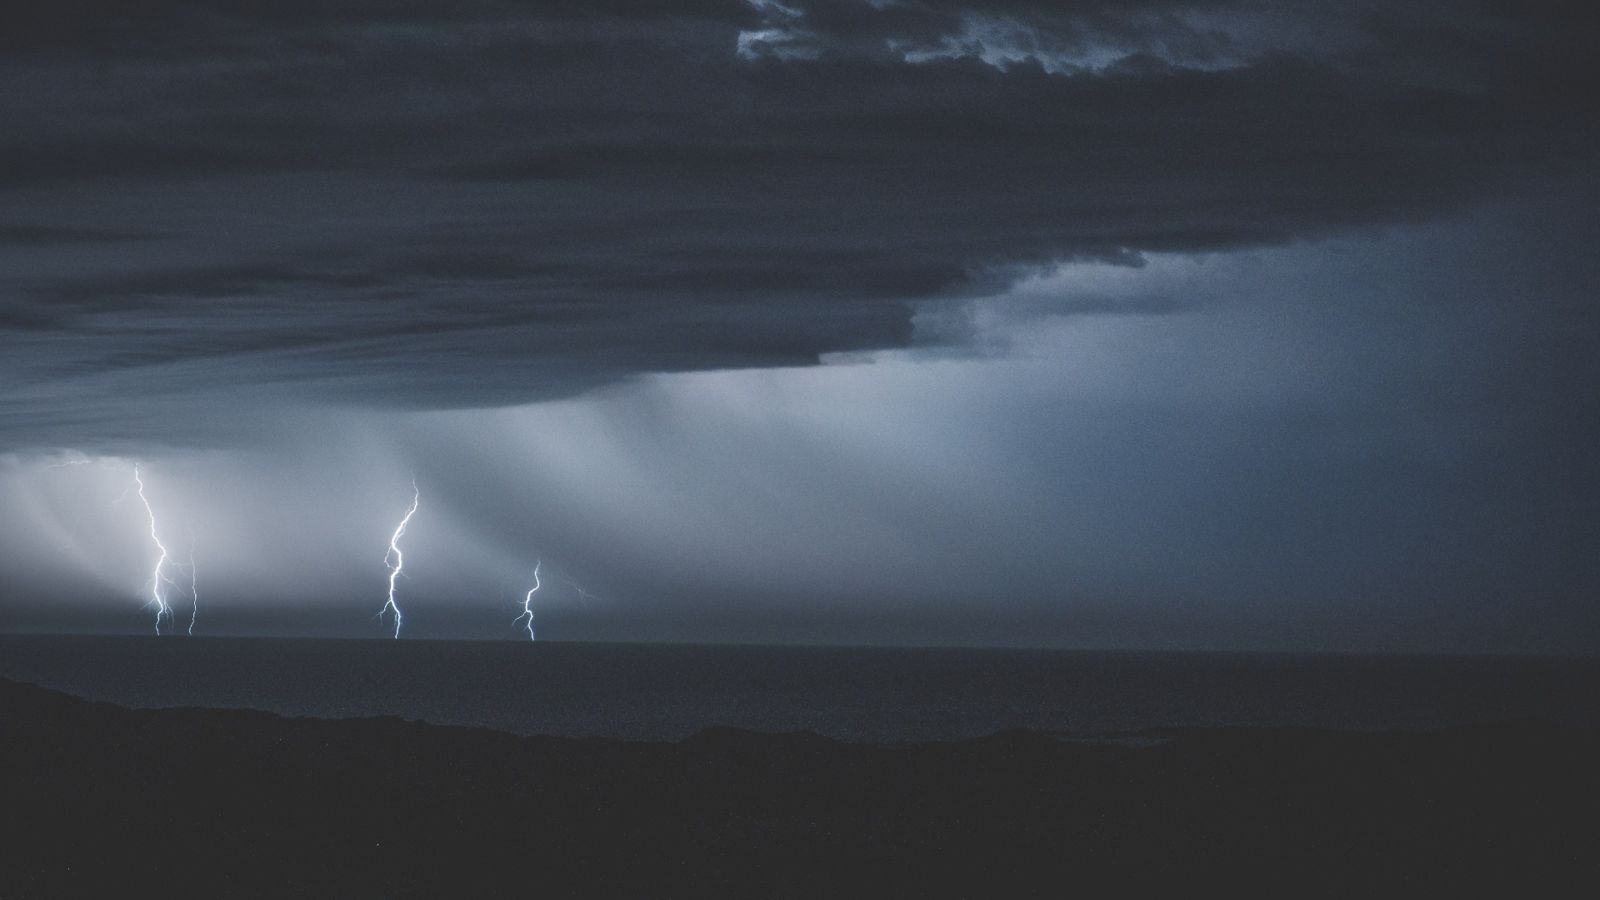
1103	324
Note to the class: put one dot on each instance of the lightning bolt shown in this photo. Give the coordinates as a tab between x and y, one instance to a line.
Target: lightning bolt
194	586
157	598
395	560
527	602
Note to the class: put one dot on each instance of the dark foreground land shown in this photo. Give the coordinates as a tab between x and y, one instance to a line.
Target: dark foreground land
96	800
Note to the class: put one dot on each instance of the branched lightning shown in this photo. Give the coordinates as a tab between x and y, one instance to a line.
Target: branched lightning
158	599
527	601
395	560
69	462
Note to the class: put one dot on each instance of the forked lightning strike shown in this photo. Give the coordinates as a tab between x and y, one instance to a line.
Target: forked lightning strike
157	598
395	560
527	602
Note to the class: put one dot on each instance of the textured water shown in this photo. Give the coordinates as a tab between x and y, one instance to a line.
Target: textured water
874	694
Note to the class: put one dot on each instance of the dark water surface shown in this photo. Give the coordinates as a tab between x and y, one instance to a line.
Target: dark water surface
654	692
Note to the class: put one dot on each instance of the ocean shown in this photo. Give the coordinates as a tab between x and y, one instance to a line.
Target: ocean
671	691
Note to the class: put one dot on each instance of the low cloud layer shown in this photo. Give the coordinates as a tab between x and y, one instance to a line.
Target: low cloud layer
407	205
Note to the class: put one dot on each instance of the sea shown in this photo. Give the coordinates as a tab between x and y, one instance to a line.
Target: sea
664	692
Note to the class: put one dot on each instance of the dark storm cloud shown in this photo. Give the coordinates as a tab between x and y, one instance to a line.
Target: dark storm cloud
486	202
46	235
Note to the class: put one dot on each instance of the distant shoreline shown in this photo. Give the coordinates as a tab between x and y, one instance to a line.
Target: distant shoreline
671	691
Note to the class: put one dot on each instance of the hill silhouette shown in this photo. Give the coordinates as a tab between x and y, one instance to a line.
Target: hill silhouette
228	803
